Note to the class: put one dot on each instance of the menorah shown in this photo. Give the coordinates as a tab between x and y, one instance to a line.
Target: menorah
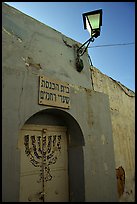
43	151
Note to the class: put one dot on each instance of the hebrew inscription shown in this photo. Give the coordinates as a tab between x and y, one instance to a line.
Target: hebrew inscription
54	93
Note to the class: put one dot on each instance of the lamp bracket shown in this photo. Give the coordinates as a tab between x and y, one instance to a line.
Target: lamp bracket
80	51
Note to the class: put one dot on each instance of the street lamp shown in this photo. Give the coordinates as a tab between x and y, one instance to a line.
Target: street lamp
92	22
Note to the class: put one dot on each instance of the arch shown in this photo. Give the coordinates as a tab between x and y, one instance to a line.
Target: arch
59	117
53	116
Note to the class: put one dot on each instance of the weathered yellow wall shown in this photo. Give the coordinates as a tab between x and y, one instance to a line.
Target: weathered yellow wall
122	107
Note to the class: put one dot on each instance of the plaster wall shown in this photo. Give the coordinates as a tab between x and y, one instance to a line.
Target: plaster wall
31	49
122	109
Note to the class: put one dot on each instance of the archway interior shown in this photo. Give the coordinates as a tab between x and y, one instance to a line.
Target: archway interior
57	117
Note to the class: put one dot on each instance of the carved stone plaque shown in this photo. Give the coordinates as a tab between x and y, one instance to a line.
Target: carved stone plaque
54	93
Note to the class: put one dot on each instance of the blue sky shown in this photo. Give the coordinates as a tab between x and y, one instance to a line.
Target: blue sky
118	27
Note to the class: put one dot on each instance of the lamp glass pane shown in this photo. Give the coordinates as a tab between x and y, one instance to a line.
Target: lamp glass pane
88	26
94	21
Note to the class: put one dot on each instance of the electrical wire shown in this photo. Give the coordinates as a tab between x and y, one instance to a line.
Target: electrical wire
111	45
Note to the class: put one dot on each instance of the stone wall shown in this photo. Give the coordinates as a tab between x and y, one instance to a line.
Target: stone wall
122	108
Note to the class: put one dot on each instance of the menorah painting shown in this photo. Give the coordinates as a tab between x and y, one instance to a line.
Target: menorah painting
43	151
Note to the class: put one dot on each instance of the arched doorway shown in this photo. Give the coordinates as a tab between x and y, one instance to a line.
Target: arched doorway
67	173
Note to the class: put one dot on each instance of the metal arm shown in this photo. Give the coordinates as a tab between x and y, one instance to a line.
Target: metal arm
80	51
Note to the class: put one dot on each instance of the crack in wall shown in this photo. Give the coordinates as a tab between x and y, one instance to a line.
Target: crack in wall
66	43
20	97
12	34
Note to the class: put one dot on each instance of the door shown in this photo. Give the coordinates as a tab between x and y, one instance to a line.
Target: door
44	164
